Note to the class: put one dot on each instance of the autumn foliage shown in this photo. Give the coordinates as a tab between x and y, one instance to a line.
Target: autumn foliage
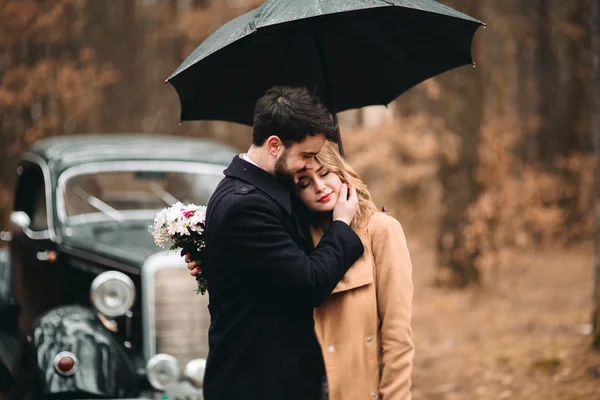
50	81
480	160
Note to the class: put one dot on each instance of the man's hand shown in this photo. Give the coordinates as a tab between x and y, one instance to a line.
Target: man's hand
346	206
191	265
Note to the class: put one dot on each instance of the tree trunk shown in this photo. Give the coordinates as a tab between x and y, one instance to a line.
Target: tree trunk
463	115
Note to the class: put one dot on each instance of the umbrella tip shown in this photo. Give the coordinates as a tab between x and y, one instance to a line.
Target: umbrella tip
484	25
180	122
474	64
167	80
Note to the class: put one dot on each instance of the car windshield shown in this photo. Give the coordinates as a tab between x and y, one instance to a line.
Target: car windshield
119	195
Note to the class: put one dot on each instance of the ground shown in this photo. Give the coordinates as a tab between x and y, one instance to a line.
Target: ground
523	335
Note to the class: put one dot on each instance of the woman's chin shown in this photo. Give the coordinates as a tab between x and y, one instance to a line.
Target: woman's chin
323	208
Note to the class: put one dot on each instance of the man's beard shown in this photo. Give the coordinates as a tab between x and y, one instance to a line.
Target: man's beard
285	177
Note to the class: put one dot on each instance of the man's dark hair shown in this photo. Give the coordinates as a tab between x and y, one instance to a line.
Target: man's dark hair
291	114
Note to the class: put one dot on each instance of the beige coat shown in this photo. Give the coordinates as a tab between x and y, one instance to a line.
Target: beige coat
364	326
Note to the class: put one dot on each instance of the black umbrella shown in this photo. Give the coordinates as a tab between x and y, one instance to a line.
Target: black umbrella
351	53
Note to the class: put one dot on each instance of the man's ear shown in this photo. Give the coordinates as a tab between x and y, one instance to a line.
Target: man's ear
274	145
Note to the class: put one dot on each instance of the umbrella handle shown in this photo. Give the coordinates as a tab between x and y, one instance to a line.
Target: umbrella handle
339	135
318	41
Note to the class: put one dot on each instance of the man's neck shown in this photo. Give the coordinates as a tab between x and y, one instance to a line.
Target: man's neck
258	157
245	157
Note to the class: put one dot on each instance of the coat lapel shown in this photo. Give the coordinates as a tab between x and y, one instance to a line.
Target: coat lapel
360	274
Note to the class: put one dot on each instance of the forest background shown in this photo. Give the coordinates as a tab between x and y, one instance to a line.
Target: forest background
491	170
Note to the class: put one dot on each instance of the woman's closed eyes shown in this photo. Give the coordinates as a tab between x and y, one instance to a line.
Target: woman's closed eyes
305	181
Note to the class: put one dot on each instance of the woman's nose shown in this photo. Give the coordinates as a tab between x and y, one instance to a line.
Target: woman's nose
319	186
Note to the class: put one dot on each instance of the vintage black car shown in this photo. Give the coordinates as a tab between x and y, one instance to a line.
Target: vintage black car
90	307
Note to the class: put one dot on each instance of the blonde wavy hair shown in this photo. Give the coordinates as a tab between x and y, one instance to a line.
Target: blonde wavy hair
330	158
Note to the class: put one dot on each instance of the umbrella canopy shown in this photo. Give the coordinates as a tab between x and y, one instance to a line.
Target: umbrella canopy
350	53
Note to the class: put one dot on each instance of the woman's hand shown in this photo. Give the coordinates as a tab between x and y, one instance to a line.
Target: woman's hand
192	265
347	204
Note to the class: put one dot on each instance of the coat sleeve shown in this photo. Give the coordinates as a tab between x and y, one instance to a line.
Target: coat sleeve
394	305
254	230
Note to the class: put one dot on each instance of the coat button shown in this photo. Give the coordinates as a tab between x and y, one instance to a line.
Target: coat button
331	349
244	189
369	339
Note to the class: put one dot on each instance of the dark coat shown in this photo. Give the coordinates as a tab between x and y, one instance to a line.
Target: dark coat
263	288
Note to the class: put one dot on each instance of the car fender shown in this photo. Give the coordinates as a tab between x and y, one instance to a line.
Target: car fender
9	333
103	368
5	279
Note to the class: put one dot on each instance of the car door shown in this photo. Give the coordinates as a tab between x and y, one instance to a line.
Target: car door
35	270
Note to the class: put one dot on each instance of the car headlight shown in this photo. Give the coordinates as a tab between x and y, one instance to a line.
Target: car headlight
194	371
112	293
162	370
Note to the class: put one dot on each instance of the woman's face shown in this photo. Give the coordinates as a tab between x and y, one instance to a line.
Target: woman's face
318	189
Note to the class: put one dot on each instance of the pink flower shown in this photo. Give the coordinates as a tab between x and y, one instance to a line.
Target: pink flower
187	213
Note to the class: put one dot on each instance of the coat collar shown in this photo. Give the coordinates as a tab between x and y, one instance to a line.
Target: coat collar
261	180
359	274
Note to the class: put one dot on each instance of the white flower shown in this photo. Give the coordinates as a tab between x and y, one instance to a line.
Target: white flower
174	212
158	229
176	221
198	218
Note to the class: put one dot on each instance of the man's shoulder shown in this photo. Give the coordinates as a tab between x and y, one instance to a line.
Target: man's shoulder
234	193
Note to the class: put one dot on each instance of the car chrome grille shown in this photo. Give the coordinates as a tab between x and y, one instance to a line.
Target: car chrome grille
180	315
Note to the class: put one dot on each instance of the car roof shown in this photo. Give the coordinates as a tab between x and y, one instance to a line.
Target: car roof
63	152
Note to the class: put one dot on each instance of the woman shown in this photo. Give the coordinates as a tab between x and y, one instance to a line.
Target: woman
364	325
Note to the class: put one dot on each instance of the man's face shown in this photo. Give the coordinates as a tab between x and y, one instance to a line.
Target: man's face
298	157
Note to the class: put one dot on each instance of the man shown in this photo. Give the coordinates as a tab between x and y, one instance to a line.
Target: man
262	284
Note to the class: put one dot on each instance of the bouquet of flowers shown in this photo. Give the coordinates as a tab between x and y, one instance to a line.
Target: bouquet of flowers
181	227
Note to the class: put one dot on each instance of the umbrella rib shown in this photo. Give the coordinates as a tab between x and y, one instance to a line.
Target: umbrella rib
363	67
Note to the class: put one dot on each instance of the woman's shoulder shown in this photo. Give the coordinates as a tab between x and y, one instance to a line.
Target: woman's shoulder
386	236
381	223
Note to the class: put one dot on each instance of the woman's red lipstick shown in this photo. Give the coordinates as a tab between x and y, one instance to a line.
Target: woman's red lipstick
326	197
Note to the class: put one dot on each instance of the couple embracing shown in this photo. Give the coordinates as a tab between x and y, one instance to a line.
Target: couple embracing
310	285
